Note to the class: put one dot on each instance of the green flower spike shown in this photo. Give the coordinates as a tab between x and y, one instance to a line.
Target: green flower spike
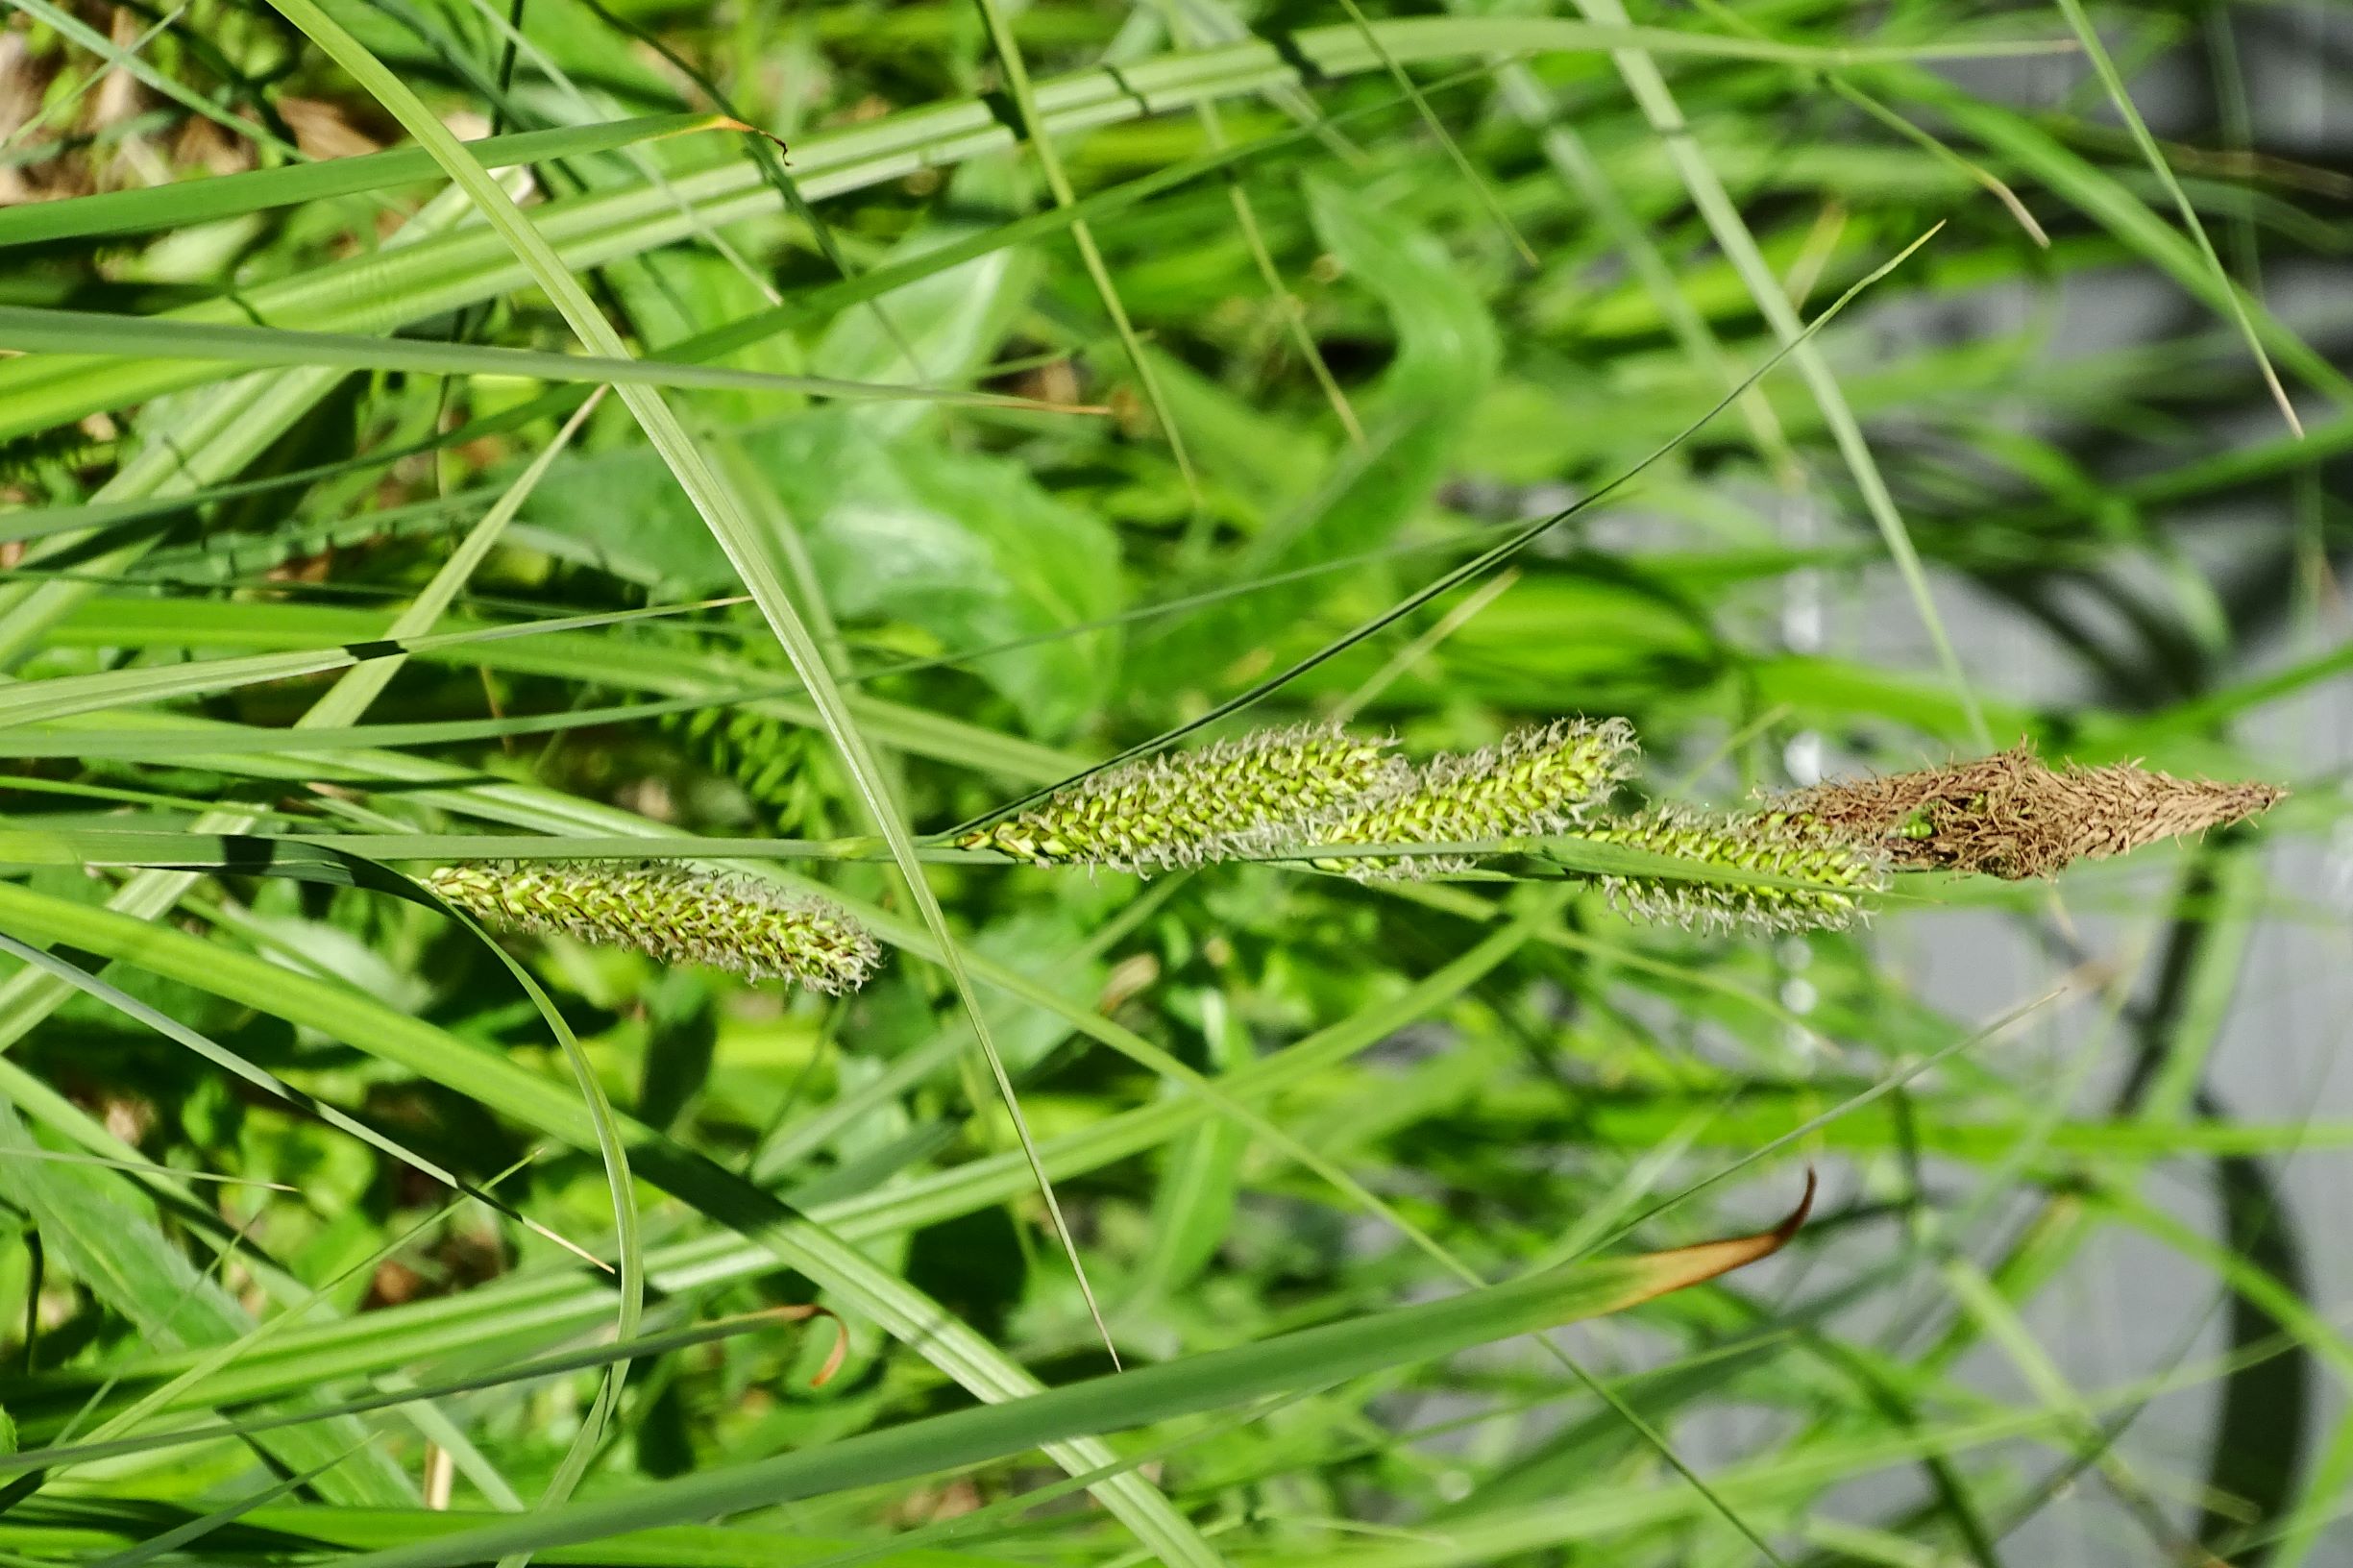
1772	842
1543	779
1193	806
678	916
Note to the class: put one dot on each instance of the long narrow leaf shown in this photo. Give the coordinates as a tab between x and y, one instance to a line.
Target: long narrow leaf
1218	1380
748	549
233	195
84	332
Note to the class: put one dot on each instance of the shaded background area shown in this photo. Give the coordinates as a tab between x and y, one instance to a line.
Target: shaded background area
2269	1006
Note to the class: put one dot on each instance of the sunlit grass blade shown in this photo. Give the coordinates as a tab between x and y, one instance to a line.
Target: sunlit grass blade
596	1357
1305	1358
35	702
179	1536
1731	234
1049	164
504	1086
2118	95
143	1169
233	195
81	333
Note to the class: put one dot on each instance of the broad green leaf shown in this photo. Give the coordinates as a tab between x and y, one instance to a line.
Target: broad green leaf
952	322
968	546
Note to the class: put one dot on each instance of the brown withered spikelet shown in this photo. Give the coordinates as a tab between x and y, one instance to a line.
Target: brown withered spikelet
1188	807
1546	779
2012	816
677	916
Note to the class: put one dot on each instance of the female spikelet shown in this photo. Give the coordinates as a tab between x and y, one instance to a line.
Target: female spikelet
677	915
1838	874
1188	807
1547	778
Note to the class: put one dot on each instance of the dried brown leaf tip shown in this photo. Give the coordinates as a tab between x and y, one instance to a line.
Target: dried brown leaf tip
2013	815
679	916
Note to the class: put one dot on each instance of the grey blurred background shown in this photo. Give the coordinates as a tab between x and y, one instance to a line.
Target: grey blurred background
2129	1307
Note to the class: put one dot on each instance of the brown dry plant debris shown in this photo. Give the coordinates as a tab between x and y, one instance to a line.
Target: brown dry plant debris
2011	815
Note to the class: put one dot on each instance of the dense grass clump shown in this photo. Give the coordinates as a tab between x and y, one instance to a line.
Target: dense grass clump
983	608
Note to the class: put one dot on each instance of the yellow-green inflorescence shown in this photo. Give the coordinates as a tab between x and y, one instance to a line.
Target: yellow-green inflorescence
679	916
1840	875
1188	807
1547	778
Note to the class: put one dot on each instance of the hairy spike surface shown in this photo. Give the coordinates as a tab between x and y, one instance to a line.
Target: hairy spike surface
1193	806
2011	815
1775	844
677	916
1546	779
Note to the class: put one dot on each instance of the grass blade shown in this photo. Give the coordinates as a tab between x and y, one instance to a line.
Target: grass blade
737	534
1049	164
510	1090
1220	1378
80	334
258	190
1731	234
2118	95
